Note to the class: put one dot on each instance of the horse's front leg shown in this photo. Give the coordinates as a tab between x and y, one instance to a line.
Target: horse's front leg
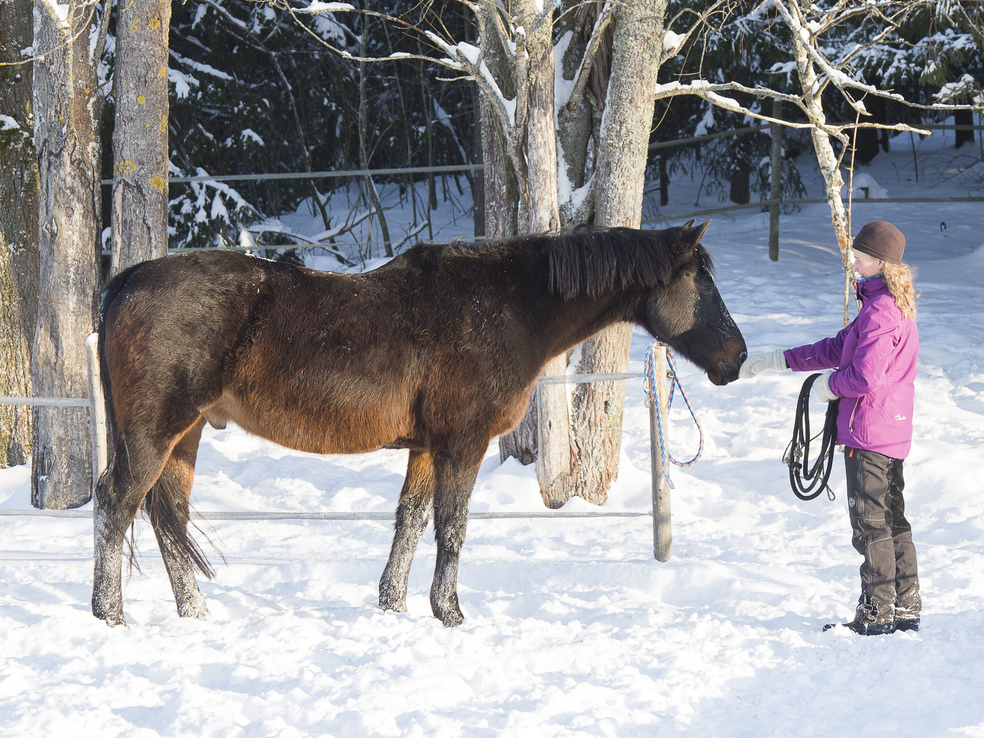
456	473
412	513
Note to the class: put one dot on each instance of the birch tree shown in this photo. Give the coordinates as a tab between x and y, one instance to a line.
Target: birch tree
826	43
68	41
821	65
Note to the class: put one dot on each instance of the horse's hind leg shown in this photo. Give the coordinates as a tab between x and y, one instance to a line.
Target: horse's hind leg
412	513
168	501
109	530
456	471
133	468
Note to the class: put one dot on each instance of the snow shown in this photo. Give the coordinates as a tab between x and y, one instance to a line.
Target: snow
321	7
473	56
58	10
248	134
572	628
672	43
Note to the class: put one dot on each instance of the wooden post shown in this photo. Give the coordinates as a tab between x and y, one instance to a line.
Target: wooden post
97	412
662	536
776	190
553	452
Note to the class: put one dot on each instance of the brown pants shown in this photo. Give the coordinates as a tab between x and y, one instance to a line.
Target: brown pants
889	574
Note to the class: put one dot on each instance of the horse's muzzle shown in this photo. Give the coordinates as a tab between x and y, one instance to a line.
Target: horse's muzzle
725	372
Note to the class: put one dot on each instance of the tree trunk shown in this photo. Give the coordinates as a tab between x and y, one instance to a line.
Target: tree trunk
621	169
528	156
963	118
741	191
140	149
540	213
500	210
371	194
67	117
18	231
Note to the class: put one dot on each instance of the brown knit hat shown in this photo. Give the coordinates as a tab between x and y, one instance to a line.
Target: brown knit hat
881	240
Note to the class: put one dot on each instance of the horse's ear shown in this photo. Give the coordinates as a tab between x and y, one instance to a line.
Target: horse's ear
697	233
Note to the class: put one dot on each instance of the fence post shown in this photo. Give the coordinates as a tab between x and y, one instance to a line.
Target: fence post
97	412
776	191
662	535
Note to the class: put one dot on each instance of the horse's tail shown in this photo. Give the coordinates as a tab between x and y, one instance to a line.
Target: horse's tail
169	515
164	503
109	293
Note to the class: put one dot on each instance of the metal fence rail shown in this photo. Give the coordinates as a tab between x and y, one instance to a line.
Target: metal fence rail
277	515
243	516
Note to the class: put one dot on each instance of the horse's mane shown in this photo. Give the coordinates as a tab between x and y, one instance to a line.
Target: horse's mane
589	261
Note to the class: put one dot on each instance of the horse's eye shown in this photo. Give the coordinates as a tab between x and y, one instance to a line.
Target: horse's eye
704	282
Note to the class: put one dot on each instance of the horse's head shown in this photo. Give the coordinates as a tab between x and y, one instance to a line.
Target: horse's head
688	314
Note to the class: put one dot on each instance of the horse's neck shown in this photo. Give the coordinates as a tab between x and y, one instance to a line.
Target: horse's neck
558	325
554	325
577	320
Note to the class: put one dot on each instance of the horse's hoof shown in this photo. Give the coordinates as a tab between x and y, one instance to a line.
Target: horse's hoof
112	616
114	620
393	605
451	619
392	599
198	611
450	616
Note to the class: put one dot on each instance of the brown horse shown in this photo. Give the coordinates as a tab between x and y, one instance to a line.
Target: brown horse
436	352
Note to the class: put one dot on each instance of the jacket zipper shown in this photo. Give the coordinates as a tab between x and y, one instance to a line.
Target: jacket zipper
850	423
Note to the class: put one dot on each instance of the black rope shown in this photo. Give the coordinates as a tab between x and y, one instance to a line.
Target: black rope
809	481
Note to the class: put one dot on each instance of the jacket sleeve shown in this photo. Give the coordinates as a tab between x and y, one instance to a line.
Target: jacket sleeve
878	337
824	354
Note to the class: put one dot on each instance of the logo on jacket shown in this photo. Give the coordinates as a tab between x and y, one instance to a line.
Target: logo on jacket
900	417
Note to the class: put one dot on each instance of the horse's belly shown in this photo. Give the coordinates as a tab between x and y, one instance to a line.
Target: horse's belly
328	429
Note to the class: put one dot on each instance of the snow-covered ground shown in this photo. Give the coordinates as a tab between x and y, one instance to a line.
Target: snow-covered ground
572	627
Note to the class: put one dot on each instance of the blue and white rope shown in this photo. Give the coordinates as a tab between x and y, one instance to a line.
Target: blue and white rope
665	456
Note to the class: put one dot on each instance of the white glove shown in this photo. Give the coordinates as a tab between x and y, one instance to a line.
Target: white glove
766	361
821	387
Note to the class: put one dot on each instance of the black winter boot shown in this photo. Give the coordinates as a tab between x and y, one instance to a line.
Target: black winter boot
869	622
907	610
907	624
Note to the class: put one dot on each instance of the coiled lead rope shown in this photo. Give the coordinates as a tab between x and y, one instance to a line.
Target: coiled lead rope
808	481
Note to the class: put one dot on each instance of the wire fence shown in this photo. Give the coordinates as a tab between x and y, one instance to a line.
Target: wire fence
242	516
764	204
563	379
344	516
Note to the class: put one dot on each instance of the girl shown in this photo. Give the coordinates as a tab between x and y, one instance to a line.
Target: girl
871	369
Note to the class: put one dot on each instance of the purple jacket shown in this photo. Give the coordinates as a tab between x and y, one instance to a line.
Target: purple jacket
875	357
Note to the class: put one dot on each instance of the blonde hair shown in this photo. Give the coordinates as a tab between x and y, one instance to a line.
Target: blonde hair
898	279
